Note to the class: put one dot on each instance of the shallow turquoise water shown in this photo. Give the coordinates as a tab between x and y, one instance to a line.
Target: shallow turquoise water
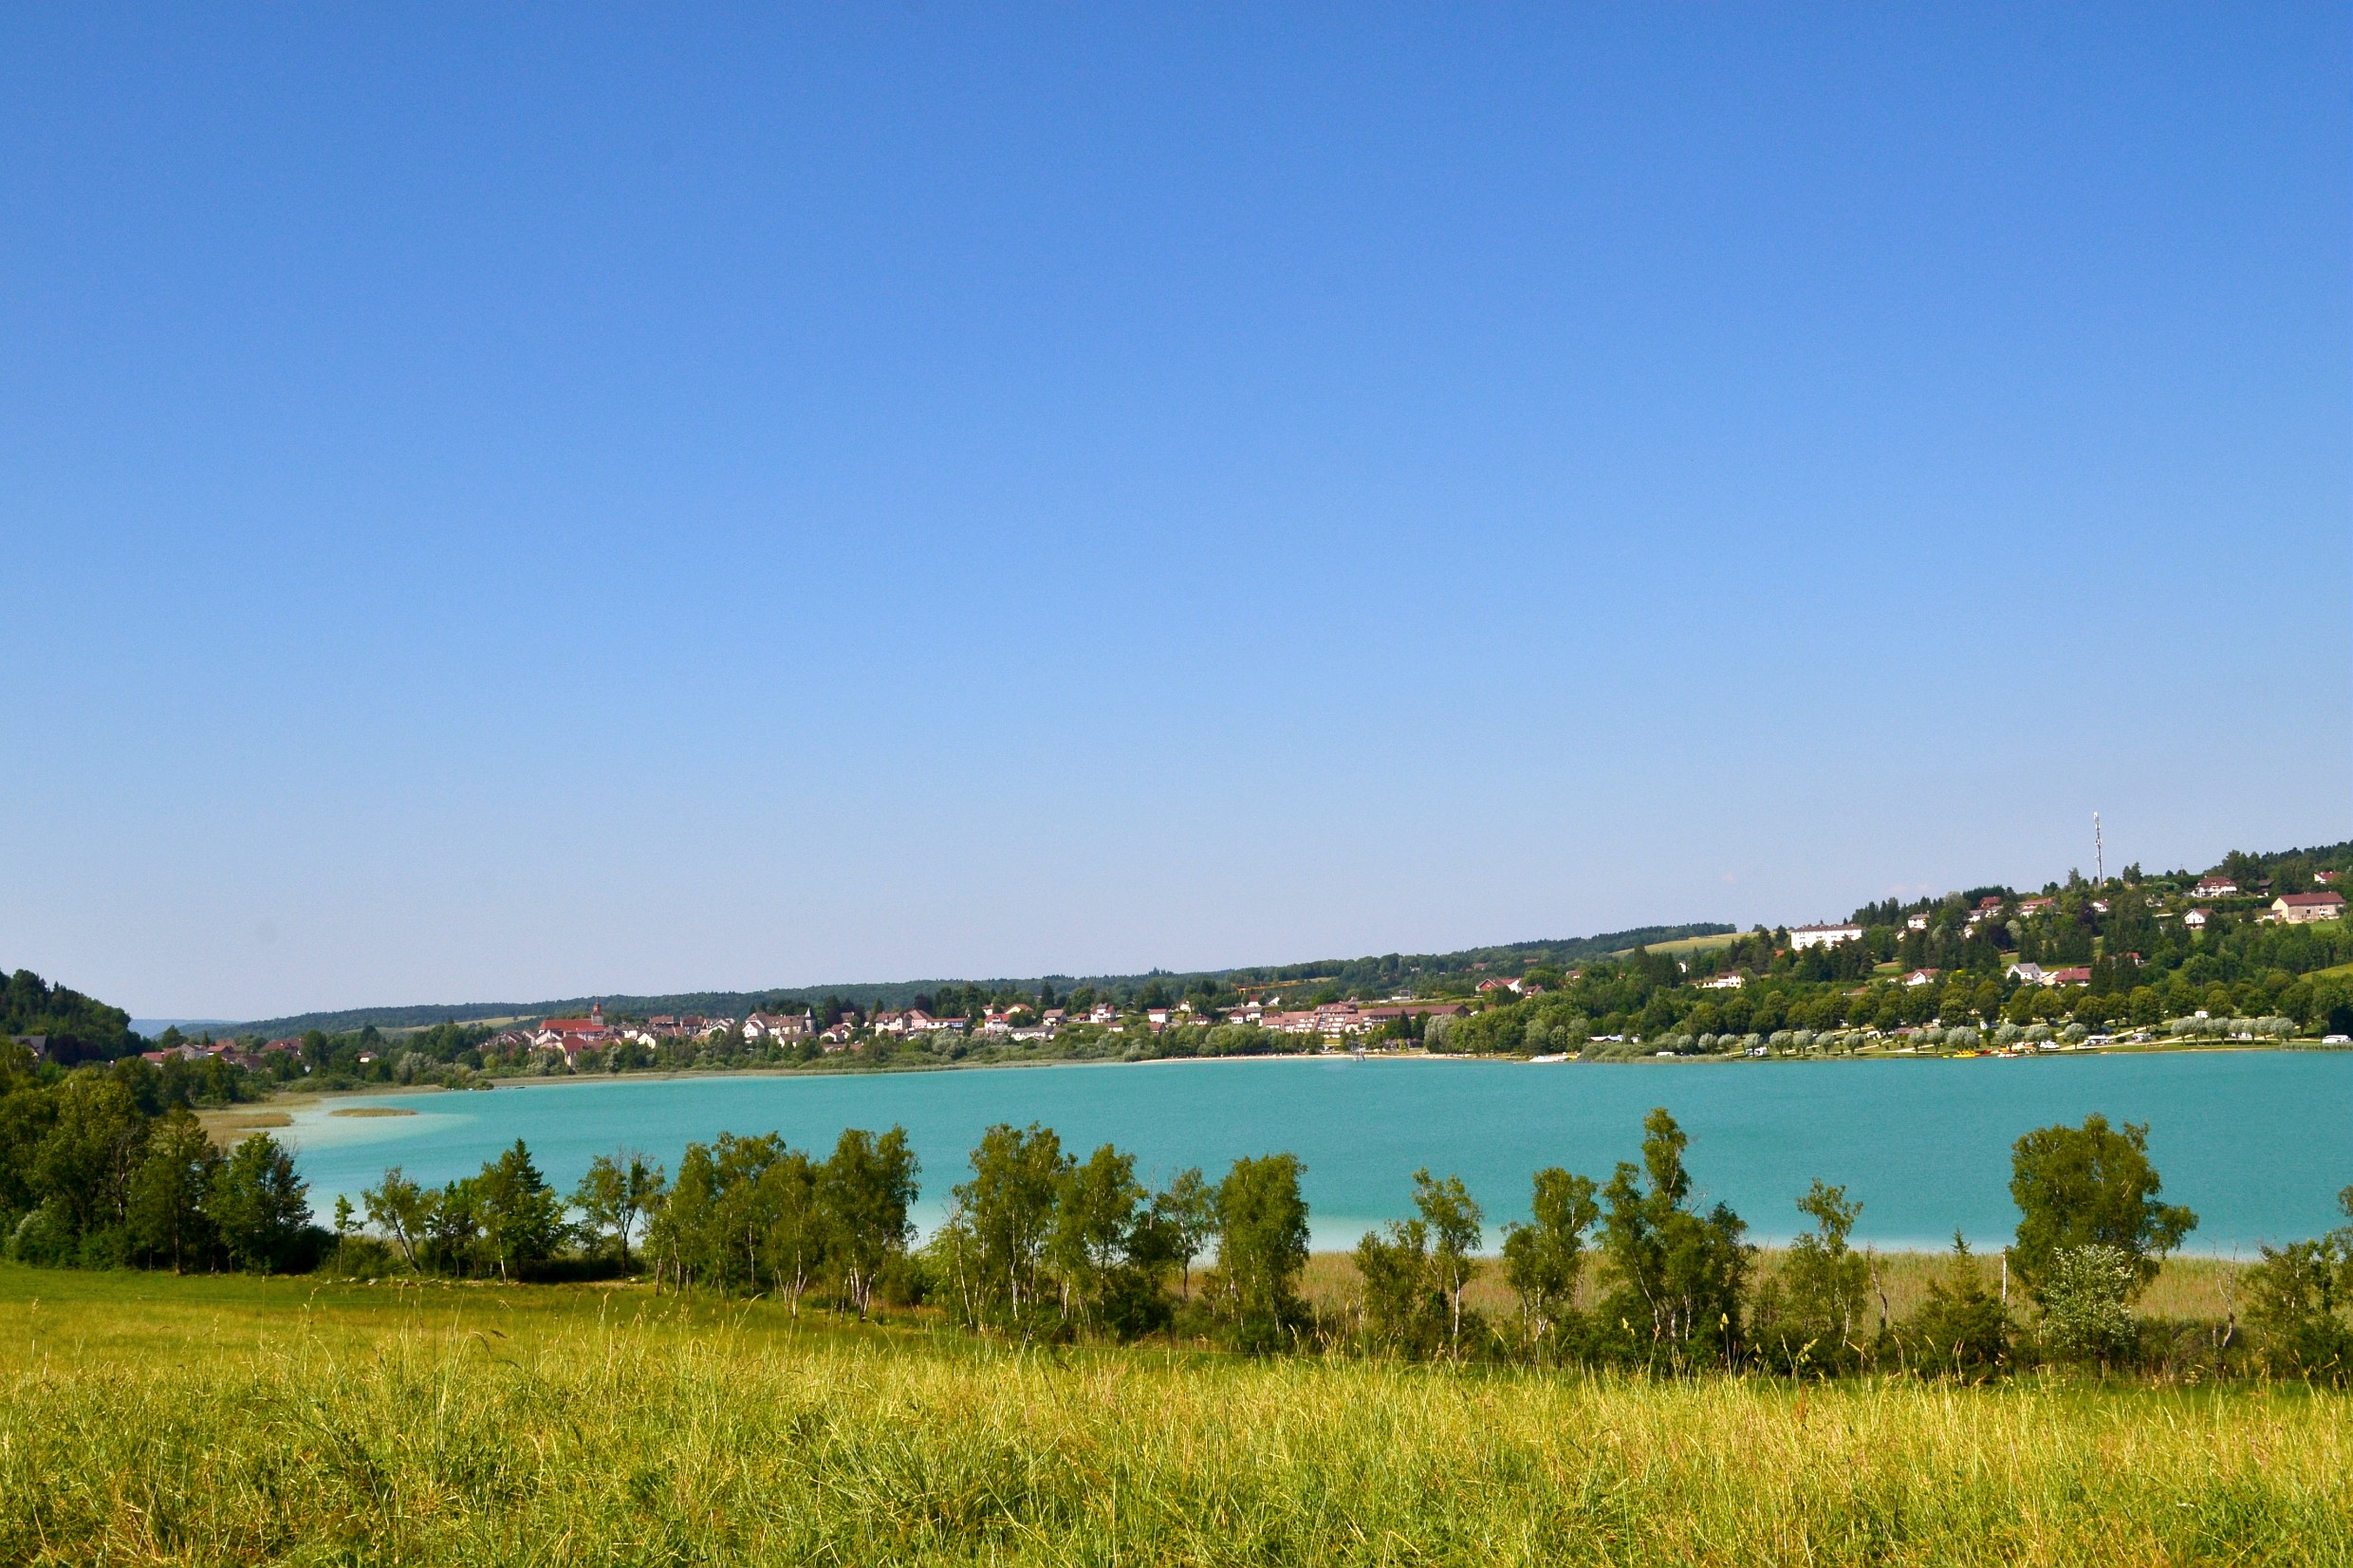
2258	1142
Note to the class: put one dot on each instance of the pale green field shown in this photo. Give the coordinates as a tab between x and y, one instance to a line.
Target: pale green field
145	1419
1688	943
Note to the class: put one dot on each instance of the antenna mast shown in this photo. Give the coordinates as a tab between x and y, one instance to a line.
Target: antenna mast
2098	860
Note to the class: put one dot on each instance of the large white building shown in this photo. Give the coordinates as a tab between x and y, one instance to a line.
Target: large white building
1802	937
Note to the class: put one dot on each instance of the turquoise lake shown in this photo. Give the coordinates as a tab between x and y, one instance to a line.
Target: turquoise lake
2258	1143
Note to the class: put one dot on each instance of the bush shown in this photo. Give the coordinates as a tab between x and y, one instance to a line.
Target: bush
2086	1313
2296	1297
903	1280
1962	1330
362	1257
45	1238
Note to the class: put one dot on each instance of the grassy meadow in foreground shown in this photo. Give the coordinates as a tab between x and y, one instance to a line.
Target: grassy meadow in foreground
148	1418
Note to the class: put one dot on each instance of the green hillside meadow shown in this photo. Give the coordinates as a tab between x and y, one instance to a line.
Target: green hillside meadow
149	1418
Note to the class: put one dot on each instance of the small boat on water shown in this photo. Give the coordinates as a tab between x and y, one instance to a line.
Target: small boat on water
1558	1055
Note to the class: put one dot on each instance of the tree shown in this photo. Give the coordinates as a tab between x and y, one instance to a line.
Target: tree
1455	1225
452	1241
1962	1328
1808	1313
798	1236
402	1210
615	1196
1543	1258
679	1234
1403	1308
520	1216
1187	1211
95	1139
1679	1273
1262	1247
738	1200
167	1207
1096	1210
2297	1299
260	1207
867	1188
2089	1186
1008	1210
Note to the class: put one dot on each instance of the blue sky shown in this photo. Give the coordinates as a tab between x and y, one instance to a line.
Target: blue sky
512	502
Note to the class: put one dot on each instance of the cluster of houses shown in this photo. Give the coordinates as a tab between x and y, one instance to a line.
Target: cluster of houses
1338	1020
1332	1020
236	1055
2288	909
573	1037
2292	909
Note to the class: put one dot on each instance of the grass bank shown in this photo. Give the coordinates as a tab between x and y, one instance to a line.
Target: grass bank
144	1418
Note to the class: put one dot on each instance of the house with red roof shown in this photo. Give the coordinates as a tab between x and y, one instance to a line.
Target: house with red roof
2302	908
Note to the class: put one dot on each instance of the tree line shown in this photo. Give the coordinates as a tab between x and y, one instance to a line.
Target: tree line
109	1167
1044	1242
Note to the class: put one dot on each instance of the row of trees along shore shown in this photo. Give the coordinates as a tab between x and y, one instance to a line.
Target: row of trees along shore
107	1169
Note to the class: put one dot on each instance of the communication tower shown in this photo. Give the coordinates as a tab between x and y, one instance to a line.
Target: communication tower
2099	862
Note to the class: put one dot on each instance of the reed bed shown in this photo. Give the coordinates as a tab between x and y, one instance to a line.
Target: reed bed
568	1426
2192	1287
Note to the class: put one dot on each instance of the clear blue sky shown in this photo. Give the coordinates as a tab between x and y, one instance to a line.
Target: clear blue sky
509	501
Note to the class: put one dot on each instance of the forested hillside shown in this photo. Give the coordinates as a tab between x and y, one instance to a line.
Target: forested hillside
74	1028
2154	951
2163	954
1392	971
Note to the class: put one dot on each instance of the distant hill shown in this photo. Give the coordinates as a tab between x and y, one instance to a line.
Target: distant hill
81	1028
1397	971
73	1028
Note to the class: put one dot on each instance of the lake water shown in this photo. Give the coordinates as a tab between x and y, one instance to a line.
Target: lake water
2258	1143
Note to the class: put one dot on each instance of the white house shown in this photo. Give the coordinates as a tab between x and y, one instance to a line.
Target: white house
1730	980
2196	919
2030	974
1802	937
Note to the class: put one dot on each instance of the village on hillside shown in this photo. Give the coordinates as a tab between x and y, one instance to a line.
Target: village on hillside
2082	965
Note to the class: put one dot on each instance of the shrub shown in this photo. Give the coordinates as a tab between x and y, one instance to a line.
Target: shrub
2086	1315
1962	1330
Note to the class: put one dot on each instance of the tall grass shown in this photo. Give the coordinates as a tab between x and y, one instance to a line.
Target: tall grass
270	1422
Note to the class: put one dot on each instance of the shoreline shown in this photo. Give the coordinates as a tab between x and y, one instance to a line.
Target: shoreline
294	1098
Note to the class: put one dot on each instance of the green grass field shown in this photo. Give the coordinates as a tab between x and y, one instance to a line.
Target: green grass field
1688	943
147	1419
